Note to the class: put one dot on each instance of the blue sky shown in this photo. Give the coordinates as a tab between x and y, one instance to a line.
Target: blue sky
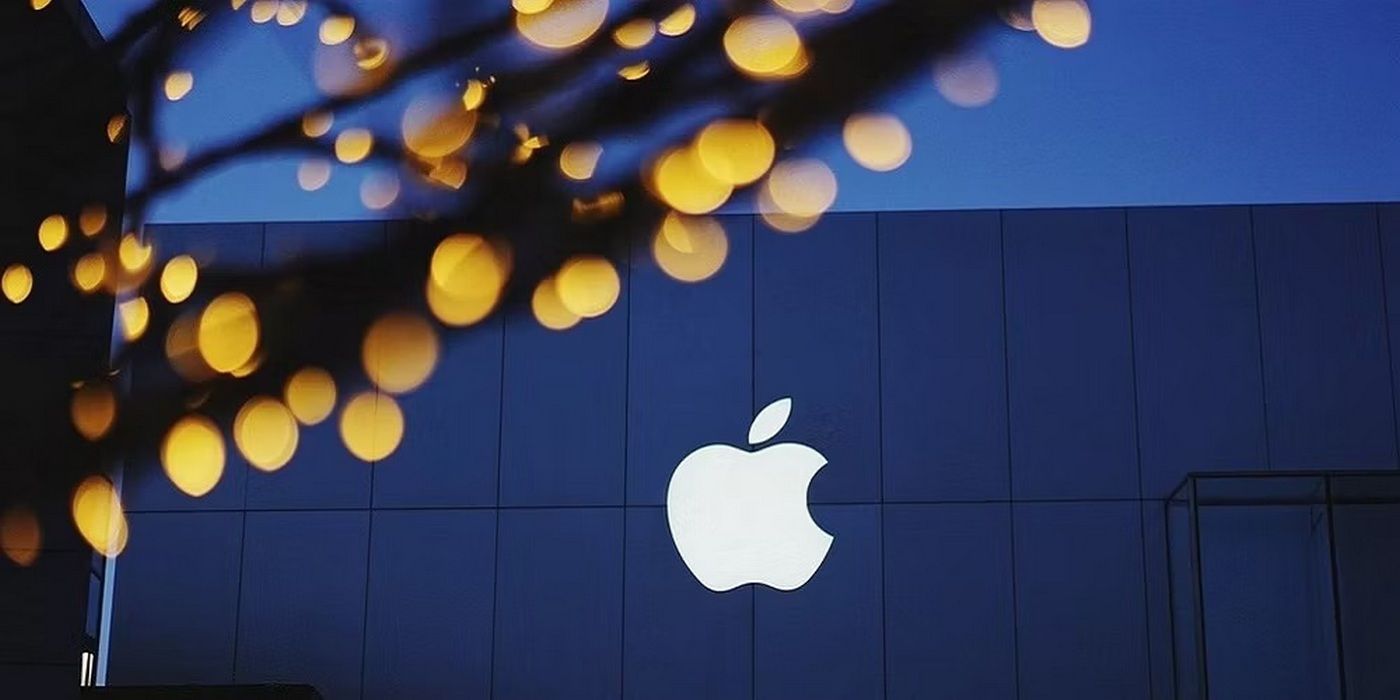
1193	101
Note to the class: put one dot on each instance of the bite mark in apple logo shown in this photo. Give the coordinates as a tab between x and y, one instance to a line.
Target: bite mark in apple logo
740	517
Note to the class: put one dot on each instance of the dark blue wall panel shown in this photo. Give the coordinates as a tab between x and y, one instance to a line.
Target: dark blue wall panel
1388	219
825	640
1369	576
302	606
1327	370
816	340
448	456
1195	326
176	609
1265	626
428	635
943	357
681	639
949	607
690	361
1079	600
691	356
1069	347
559	603
563	439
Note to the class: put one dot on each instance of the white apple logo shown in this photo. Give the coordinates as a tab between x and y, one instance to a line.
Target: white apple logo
741	517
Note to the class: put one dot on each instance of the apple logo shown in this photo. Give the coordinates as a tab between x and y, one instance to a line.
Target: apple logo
741	517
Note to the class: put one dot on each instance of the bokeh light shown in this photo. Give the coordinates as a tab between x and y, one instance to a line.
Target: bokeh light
16	283
227	334
93	410
92	219
588	285
134	255
178	84
762	45
290	12
434	127
265	432
474	95
878	142
371	426
735	151
465	279
353	145
310	395
116	127
135	315
99	516
530	7
192	455
549	310
803	187
684	183
634	71
678	22
1065	24
689	249
178	279
182	348
966	80
263	11
379	191
635	34
53	232
578	160
316	124
89	272
399	352
313	174
20	535
563	24
336	29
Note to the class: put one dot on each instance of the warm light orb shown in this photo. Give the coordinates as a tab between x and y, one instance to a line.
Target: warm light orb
89	272
116	127
683	182
530	7
192	454
762	45
399	352
135	315
178	278
371	426
263	11
800	7
966	81
474	95
93	410
736	151
689	249
310	395
39	4
353	145
634	71
92	219
588	285
549	310
370	53
134	255
803	188
313	174
53	232
434	127
178	84
465	279
379	191
290	12
16	283
336	29
316	124
635	34
678	22
1065	24
227	333
562	24
20	535
99	516
878	142
579	160
265	432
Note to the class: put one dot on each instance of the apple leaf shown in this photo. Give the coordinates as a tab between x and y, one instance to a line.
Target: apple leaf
770	420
